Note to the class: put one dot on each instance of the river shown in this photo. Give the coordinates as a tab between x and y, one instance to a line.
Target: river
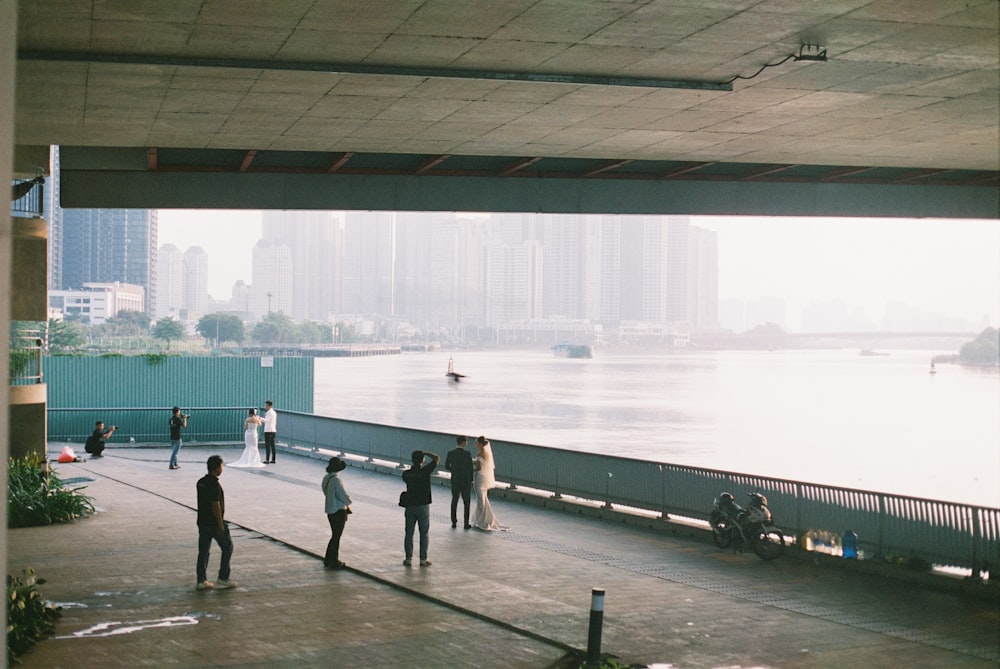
879	423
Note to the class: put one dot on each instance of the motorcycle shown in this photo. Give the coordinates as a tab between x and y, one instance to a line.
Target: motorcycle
752	526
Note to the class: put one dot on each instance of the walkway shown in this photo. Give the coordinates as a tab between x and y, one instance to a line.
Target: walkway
125	578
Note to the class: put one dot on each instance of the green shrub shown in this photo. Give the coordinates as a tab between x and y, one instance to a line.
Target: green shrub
36	499
29	616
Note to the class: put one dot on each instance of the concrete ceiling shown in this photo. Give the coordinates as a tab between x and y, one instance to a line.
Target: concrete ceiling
608	90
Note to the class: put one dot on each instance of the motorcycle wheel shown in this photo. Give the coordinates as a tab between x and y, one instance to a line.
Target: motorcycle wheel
722	534
770	544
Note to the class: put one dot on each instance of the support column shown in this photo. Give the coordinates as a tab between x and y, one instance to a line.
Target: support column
8	60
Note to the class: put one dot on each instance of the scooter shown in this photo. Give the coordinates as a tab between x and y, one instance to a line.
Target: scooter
751	526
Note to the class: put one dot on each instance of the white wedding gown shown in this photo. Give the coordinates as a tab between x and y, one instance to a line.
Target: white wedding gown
251	453
484	518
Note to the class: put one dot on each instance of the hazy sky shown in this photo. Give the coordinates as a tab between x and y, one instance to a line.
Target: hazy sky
945	266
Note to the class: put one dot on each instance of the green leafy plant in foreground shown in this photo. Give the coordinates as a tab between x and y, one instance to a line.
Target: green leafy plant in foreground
30	617
37	497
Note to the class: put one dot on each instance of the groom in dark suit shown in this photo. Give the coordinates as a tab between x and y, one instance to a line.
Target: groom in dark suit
459	463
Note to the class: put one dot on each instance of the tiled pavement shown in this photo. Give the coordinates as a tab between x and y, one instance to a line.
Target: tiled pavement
125	578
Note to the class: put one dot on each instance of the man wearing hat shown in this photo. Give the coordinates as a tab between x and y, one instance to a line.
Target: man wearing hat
337	507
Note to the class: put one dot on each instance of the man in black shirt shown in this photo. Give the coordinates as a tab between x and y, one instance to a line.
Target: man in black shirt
96	441
418	504
177	421
212	525
459	463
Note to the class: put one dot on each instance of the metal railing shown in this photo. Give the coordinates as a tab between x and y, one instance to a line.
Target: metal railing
27	344
888	526
30	202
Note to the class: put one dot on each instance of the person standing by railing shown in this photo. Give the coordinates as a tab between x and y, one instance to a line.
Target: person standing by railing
418	504
270	431
177	421
338	506
459	463
483	464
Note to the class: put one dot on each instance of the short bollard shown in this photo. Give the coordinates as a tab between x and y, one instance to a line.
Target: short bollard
596	623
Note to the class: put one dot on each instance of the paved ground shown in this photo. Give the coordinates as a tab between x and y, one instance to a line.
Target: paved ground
125	578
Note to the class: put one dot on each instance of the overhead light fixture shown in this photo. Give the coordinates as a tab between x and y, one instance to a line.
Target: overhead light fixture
810	52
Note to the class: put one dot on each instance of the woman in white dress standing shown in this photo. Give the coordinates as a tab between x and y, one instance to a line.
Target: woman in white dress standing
485	519
251	453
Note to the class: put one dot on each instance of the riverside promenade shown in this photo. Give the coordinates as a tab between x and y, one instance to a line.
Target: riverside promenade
520	598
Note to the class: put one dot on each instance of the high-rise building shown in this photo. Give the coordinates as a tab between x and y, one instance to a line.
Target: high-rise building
108	245
369	263
169	282
271	286
195	283
427	270
704	288
571	280
513	286
314	239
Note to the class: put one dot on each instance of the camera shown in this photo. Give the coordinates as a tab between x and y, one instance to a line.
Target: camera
185	415
114	427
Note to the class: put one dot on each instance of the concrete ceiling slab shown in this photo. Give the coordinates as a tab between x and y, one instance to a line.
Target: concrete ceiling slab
910	85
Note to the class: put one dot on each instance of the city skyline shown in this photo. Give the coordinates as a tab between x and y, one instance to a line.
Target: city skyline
948	268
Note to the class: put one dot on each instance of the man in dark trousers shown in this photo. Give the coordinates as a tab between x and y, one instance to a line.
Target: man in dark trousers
459	463
96	441
270	431
418	504
178	420
212	526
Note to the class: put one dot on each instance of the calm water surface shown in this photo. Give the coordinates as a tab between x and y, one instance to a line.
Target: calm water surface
834	417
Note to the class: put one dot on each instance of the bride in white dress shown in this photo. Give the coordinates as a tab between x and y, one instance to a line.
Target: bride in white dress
251	453
484	519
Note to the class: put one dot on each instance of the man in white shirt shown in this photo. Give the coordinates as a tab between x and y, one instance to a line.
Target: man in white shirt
270	429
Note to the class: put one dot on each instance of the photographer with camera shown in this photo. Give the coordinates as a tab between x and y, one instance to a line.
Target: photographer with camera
96	442
178	420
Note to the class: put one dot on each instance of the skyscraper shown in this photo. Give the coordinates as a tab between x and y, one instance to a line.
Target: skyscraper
108	245
314	239
513	286
572	270
169	282
271	287
369	263
427	271
195	284
100	245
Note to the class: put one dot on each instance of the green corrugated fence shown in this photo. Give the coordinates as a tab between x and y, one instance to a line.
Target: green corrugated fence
216	391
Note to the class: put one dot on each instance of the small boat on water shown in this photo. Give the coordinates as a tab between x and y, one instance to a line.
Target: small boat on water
567	350
452	374
869	352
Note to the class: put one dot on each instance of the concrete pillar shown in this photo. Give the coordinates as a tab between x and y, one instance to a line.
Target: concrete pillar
8	60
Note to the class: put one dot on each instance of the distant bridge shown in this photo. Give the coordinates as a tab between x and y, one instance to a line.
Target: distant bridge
794	339
877	335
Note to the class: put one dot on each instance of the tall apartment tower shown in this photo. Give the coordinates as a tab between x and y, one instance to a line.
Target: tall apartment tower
705	260
571	280
427	269
512	282
315	241
108	245
369	263
195	284
692	275
169	282
271	286
100	245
